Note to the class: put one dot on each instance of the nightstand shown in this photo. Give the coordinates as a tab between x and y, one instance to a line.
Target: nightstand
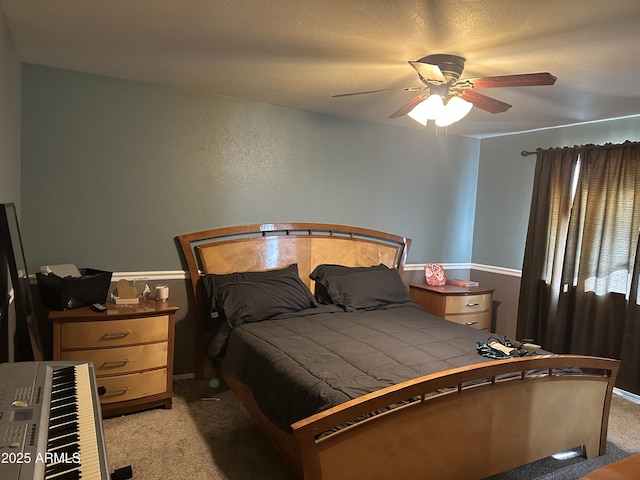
130	346
470	306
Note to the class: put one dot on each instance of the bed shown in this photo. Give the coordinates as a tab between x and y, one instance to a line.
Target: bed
350	379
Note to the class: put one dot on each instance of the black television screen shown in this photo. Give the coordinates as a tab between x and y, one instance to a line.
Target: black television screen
24	336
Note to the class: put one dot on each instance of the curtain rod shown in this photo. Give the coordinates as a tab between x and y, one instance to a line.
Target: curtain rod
526	153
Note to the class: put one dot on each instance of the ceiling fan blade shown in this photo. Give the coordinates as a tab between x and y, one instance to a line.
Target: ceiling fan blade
483	102
407	107
428	71
521	80
401	89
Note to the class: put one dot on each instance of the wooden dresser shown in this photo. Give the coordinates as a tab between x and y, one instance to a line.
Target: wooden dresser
470	306
130	346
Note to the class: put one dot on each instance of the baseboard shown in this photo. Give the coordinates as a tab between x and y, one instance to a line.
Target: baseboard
152	275
467	266
628	395
409	267
499	270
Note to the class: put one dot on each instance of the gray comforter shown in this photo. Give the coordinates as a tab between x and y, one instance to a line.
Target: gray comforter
300	364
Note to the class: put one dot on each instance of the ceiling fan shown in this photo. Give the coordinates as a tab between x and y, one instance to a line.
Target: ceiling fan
440	75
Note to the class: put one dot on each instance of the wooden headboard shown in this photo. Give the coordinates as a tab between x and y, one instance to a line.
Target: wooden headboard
275	245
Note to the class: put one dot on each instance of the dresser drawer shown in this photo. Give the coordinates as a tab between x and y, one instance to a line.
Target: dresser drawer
480	320
120	388
467	303
122	359
114	332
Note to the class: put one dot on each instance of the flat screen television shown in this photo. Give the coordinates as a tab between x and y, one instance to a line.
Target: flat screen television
21	334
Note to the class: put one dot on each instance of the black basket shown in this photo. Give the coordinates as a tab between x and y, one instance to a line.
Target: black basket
65	293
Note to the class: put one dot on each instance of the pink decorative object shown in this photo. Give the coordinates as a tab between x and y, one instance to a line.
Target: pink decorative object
434	274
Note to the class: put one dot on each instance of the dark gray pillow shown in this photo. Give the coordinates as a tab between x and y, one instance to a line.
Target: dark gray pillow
326	270
212	281
367	290
243	302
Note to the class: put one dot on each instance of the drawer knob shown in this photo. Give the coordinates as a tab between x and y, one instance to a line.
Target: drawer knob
112	335
471	305
472	323
115	363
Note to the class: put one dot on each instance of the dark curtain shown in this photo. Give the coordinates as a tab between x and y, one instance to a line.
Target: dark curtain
544	249
579	280
629	376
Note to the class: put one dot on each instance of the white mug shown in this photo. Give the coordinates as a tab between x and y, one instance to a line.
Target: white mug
162	292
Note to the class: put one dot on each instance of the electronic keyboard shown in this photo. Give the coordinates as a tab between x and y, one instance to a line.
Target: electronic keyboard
51	422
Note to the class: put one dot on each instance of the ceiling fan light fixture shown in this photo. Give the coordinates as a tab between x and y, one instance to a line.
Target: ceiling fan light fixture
434	108
455	109
430	109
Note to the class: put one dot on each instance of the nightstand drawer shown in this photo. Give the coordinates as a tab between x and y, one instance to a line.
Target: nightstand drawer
480	320
122	359
114	332
137	385
467	303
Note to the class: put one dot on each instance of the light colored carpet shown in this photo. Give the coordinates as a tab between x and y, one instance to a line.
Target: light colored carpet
215	439
196	439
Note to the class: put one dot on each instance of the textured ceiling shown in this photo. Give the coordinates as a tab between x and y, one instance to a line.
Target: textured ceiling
298	53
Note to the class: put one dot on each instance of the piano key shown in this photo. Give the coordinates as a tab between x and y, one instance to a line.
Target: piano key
71	475
59	420
54	443
63	393
63	430
66	451
63	410
55	468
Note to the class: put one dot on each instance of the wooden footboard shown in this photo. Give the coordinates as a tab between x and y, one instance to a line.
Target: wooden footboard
480	424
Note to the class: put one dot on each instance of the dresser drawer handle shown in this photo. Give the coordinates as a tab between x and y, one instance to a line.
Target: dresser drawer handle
471	305
115	363
471	323
120	391
112	335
